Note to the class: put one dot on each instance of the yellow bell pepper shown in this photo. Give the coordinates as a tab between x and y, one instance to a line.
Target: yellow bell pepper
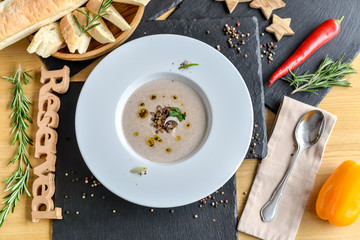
339	198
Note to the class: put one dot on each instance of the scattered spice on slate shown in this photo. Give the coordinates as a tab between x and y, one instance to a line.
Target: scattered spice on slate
214	220
218	47
269	52
72	172
66	196
72	180
66	174
77	212
92	195
171	211
196	216
77	179
245	55
207	31
152	210
114	211
103	197
67	212
262	34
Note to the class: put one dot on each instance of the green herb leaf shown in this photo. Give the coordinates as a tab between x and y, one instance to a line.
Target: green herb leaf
329	74
188	65
18	182
90	22
176	112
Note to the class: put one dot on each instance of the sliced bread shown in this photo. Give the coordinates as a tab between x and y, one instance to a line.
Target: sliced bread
112	15
47	40
135	2
20	18
74	39
101	32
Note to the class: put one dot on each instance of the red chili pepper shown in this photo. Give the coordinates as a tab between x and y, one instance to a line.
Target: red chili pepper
321	35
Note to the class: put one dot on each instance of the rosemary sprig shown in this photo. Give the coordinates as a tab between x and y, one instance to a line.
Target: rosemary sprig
329	74
18	182
90	22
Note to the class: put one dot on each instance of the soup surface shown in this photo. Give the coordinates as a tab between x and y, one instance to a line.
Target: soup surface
164	120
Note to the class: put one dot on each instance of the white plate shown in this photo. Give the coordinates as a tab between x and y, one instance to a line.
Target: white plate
98	120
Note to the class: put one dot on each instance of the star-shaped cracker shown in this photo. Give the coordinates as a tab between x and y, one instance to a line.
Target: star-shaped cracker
231	4
267	6
280	27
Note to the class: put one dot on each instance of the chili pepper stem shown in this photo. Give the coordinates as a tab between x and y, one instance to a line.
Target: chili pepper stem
340	20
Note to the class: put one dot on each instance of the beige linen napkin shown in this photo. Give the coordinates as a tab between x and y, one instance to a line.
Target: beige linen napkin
282	145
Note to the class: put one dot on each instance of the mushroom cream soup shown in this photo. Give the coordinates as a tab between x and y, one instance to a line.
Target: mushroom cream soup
164	121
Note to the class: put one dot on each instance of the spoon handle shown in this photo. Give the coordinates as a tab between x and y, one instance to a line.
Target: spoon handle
268	211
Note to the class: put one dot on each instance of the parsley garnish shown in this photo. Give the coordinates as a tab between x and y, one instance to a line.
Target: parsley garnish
176	112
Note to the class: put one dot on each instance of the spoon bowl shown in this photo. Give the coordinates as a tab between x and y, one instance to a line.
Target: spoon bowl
310	128
308	131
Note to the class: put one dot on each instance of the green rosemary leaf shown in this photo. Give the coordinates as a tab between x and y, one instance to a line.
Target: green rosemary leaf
92	26
188	65
329	74
77	23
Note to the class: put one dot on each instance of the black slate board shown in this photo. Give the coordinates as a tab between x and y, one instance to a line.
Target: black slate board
153	10
156	8
96	219
250	67
305	16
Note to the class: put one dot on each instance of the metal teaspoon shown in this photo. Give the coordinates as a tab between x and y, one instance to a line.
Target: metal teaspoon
308	132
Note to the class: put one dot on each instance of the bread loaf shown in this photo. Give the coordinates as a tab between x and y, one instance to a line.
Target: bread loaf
112	15
20	18
101	32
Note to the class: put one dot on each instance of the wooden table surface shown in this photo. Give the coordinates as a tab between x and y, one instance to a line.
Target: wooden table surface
343	145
